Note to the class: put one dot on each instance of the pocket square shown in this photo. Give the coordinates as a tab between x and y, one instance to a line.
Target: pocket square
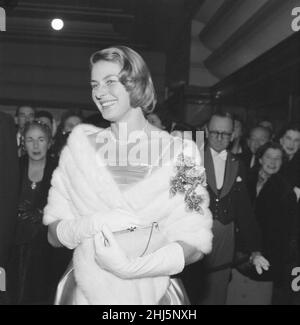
238	179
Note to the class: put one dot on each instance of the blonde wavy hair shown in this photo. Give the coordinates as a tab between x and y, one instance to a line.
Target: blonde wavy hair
134	75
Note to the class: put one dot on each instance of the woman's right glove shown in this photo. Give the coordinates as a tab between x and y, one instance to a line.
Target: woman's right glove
72	232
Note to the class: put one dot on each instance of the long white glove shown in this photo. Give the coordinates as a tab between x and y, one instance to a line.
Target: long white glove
72	232
166	261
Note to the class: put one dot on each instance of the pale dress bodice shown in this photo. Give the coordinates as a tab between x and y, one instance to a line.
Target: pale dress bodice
125	176
122	168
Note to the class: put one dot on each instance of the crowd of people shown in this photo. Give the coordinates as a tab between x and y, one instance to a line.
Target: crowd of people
74	218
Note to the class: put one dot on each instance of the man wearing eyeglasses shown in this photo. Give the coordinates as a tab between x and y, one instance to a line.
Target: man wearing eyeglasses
231	209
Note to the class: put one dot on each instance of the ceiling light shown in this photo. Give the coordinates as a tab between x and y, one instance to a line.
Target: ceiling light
57	24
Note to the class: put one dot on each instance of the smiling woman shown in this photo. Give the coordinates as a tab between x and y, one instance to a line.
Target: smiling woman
109	94
106	209
129	70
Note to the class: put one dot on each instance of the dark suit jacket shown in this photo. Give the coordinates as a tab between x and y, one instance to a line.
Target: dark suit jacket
232	203
276	214
9	181
246	157
290	170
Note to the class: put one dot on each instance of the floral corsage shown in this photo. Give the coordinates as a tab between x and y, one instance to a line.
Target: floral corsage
190	180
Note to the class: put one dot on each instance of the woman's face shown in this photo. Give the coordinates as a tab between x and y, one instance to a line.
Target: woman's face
36	143
71	122
108	93
271	161
291	142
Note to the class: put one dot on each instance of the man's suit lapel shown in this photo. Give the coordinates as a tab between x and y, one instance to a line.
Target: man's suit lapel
210	170
231	171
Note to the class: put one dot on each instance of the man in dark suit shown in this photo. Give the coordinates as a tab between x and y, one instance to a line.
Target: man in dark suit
207	281
9	171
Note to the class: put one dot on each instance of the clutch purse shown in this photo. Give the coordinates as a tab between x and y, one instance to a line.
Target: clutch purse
140	241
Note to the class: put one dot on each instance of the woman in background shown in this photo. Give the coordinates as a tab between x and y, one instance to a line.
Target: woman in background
275	210
30	267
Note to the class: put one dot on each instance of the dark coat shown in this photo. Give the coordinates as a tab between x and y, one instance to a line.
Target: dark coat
58	258
9	182
35	266
41	197
290	170
246	157
276	214
30	266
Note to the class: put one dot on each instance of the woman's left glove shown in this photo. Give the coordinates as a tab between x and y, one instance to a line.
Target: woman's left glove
32	216
168	260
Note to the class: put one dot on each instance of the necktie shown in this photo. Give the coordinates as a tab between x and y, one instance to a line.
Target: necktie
223	155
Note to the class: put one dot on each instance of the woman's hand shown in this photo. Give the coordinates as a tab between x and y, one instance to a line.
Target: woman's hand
259	262
191	254
166	261
109	255
31	216
297	192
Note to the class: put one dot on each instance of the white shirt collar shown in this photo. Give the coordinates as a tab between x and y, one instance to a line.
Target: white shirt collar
222	155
